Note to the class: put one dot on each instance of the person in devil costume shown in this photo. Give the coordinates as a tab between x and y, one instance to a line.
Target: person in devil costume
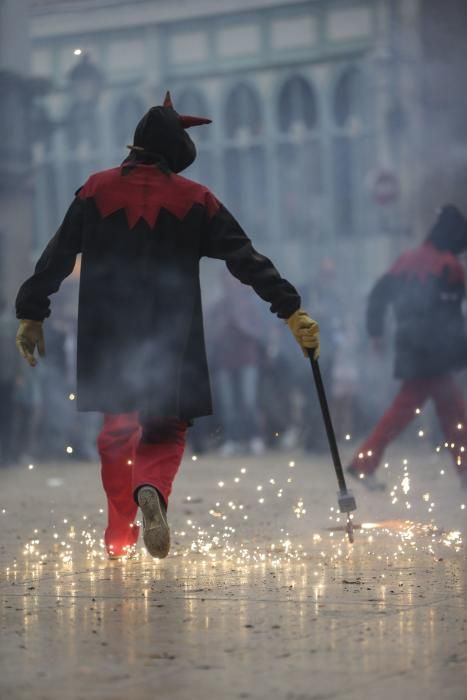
426	287
142	229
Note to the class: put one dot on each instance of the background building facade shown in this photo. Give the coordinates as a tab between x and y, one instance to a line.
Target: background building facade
302	147
339	127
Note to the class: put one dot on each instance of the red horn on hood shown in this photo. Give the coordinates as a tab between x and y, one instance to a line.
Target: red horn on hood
187	121
168	100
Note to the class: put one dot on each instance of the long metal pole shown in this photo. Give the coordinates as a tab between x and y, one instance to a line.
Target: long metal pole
328	423
345	498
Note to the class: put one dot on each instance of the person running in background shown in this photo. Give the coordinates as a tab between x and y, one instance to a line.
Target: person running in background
426	288
142	229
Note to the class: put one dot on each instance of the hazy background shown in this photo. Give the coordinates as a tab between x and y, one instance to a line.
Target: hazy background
339	127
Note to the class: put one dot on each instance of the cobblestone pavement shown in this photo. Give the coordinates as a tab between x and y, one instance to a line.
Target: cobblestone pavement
259	597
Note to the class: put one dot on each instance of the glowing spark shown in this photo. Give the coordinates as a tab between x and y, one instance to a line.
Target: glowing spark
69	449
72	397
31	466
77	52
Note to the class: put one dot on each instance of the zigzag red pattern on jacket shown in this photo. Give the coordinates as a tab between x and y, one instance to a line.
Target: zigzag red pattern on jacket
144	192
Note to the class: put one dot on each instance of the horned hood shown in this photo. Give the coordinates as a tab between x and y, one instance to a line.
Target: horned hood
161	133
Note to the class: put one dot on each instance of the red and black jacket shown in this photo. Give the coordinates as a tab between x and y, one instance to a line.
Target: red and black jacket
426	288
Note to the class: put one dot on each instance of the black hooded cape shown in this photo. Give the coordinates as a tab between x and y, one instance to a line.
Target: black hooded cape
142	232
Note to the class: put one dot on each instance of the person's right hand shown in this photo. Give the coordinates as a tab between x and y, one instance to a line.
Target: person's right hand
29	336
305	331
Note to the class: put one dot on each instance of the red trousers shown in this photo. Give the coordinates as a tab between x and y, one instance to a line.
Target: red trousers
450	408
134	453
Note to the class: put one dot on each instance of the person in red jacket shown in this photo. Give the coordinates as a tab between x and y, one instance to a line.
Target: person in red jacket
142	229
426	288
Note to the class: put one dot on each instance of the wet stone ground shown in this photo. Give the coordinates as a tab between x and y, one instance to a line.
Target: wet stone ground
261	596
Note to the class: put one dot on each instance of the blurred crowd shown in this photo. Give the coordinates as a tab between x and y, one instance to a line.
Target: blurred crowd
263	391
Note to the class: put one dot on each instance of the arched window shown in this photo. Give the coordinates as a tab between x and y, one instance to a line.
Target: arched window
350	99
299	156
244	161
297	105
127	112
352	150
243	116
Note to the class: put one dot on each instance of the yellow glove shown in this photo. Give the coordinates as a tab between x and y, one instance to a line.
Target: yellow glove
305	330
28	337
